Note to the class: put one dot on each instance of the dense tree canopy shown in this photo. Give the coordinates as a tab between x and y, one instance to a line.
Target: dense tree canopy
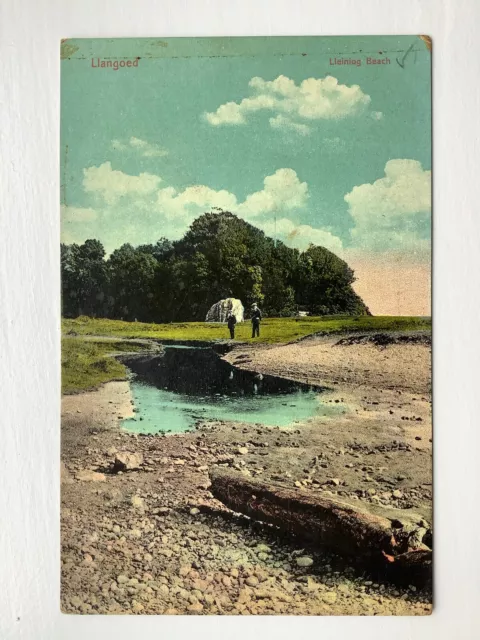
220	256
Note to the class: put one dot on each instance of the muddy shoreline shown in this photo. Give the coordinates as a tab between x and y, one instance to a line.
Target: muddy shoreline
154	540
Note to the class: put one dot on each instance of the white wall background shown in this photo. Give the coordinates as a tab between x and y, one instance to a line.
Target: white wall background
30	306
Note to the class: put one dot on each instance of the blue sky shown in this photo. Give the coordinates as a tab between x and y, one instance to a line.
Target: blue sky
340	155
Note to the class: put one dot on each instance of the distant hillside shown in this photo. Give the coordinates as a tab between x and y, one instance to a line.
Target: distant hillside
220	256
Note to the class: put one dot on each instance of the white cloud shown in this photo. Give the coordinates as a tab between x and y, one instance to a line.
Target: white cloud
144	148
405	190
393	211
233	113
112	184
77	214
285	124
312	99
229	113
168	211
300	236
282	191
193	201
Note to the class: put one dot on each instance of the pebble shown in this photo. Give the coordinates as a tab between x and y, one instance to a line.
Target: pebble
90	476
252	581
138	503
330	597
304	561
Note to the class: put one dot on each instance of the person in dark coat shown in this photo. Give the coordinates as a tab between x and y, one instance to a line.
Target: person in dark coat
231	322
256	317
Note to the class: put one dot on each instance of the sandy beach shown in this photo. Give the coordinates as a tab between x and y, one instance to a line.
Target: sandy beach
154	540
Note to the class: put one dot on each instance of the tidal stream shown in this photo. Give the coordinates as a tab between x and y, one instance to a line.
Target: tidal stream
182	385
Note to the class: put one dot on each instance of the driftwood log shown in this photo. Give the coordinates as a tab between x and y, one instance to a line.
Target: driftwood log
338	526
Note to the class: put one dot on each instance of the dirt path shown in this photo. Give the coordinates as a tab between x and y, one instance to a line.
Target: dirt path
154	540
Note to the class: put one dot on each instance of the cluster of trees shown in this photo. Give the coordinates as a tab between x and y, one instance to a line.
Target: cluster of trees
220	256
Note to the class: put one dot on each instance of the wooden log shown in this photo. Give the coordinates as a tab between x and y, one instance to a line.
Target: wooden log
339	526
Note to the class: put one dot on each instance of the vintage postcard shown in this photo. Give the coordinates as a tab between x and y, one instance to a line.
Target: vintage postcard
246	333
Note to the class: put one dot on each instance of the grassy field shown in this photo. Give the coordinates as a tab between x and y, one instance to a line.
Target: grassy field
86	365
273	330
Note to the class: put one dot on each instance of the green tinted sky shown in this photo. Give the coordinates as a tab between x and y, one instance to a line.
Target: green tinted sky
151	120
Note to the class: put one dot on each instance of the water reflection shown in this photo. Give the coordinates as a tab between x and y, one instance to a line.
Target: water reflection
175	389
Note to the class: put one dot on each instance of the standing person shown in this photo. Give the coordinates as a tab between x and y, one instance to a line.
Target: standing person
256	317
231	322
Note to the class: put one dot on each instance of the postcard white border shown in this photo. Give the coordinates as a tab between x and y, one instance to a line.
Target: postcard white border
30	32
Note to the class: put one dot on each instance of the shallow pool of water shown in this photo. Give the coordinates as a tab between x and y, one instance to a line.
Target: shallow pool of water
175	389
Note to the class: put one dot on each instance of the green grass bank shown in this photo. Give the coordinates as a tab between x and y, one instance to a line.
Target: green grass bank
273	330
86	364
